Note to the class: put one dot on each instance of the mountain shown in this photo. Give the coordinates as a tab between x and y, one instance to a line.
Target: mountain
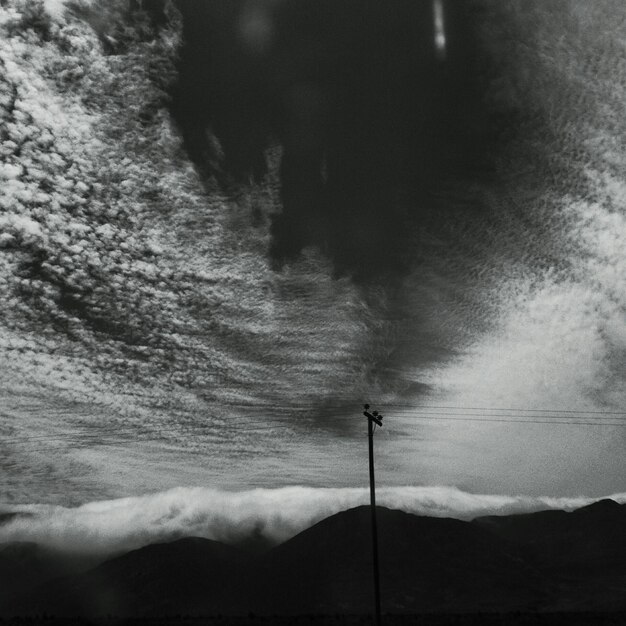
426	564
547	561
24	565
583	551
191	575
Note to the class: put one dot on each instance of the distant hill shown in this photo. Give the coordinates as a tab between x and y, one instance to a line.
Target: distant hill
191	575
426	564
582	552
544	561
25	565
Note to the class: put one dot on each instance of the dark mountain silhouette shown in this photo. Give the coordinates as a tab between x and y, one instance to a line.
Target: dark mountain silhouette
544	561
25	565
584	551
426	564
589	537
191	575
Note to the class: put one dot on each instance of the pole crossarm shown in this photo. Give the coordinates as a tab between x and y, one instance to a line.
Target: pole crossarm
374	415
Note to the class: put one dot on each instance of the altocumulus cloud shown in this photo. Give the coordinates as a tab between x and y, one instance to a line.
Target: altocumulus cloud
275	515
128	283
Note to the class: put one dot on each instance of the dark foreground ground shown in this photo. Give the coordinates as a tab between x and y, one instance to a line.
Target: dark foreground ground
482	619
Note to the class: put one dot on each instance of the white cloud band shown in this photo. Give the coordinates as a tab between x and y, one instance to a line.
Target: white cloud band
106	527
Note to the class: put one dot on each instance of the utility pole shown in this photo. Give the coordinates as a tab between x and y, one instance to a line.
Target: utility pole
374	418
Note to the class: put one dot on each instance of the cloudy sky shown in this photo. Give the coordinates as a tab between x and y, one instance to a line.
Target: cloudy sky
224	226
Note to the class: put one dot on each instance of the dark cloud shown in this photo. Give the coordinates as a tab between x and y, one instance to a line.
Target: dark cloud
10	516
373	124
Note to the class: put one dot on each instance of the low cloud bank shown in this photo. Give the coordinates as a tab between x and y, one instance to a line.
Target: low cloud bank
107	527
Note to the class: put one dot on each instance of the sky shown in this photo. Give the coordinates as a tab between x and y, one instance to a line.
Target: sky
226	226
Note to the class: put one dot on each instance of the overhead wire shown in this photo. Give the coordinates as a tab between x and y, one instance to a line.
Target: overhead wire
515	409
552	422
441	413
171	433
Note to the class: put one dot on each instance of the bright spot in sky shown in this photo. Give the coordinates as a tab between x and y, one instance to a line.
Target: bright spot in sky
440	29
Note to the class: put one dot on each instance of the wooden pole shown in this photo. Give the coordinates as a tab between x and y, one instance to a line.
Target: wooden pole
371	418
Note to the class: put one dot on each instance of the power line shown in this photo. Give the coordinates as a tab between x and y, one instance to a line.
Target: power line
559	417
462	411
590	416
173	432
338	409
483	408
553	422
518	419
417	412
415	406
108	440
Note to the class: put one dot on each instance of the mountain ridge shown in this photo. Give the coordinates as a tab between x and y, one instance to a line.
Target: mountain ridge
544	561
